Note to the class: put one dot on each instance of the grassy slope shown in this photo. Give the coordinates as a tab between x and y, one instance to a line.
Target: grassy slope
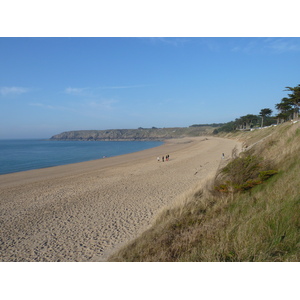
262	224
123	134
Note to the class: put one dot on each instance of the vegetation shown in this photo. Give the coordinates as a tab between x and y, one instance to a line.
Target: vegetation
265	112
243	173
257	223
134	134
288	109
250	211
208	125
289	106
248	122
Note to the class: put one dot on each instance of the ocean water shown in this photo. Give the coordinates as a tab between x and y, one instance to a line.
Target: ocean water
29	154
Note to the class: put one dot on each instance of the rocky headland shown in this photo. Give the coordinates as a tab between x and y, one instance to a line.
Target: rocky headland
134	134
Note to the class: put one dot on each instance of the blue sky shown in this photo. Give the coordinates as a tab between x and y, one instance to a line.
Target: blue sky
51	85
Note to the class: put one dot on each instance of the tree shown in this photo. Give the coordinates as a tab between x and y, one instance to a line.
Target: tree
285	108
250	120
246	122
265	112
239	123
280	118
294	98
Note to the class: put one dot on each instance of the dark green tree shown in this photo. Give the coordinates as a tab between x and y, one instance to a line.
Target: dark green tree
250	121
294	98
285	109
265	112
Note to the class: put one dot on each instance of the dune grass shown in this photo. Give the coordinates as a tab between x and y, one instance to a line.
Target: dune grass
259	224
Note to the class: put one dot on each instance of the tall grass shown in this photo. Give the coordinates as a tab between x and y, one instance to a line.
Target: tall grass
260	224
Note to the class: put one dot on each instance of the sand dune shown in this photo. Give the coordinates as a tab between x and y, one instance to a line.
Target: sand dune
85	211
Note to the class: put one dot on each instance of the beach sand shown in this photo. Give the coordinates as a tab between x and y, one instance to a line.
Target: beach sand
86	211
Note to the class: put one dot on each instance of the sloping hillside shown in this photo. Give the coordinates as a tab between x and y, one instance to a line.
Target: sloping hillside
250	219
134	134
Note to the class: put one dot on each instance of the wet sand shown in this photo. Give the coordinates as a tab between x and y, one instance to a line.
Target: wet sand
85	211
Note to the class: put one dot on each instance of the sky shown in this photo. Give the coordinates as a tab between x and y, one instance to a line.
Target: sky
50	85
143	64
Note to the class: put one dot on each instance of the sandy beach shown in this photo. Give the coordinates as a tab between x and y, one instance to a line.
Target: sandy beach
85	211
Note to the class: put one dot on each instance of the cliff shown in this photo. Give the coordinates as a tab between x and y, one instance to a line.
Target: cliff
133	134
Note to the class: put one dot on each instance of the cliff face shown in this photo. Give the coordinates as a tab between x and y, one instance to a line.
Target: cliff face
133	134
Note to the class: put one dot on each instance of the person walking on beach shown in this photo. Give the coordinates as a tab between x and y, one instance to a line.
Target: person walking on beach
157	158
223	156
163	159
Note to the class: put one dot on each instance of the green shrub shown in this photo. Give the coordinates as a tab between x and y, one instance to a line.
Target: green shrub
242	169
243	173
265	175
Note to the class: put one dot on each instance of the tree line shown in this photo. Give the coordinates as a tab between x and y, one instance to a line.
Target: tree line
288	109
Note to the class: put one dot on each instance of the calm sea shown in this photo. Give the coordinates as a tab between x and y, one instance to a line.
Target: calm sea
23	155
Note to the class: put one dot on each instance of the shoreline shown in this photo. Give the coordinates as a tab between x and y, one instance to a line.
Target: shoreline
162	142
104	140
85	211
64	169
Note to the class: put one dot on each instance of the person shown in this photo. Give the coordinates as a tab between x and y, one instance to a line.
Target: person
223	155
163	159
157	158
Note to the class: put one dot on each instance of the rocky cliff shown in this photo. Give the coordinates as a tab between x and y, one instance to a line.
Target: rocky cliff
133	134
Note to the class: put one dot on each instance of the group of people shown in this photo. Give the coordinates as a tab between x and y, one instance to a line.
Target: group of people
163	158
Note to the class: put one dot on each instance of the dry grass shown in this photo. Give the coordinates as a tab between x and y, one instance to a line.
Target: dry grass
262	224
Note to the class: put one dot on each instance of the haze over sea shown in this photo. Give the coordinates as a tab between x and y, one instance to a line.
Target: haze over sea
29	154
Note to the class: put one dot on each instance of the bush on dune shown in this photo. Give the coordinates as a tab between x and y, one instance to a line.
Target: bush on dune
252	215
243	173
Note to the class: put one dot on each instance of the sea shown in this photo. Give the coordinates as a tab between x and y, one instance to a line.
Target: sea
29	154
